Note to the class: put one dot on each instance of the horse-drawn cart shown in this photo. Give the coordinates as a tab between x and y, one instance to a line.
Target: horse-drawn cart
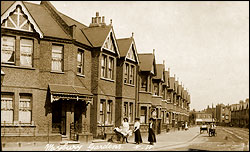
203	128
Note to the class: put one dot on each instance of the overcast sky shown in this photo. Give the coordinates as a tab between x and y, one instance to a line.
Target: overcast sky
206	44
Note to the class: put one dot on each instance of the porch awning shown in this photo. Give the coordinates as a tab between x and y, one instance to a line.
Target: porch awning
69	92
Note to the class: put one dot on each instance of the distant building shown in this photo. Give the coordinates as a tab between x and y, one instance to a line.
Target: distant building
202	117
240	114
223	114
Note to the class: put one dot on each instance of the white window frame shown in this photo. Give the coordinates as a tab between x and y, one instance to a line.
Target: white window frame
12	52
25	107
57	60
80	64
7	107
26	54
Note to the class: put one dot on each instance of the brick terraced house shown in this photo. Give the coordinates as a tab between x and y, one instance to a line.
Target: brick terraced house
62	78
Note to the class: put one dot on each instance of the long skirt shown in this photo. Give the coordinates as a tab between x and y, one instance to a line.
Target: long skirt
138	138
151	135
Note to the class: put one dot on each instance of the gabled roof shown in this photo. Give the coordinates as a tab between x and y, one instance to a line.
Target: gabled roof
160	71
97	35
42	18
125	45
19	24
147	62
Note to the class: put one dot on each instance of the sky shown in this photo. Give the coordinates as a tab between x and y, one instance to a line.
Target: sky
205	44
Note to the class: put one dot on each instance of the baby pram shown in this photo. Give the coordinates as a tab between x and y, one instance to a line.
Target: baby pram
122	135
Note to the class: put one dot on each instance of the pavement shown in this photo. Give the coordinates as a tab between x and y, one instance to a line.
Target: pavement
164	141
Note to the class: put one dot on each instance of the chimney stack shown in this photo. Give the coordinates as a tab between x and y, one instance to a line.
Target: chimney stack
132	34
97	21
154	51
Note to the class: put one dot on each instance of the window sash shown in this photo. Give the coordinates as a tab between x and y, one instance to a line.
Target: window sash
26	51
111	67
104	66
80	61
57	58
8	49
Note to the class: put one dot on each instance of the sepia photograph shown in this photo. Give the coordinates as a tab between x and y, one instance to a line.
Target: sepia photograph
124	75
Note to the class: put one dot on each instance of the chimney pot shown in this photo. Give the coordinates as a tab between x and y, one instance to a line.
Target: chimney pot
110	21
132	34
153	51
97	14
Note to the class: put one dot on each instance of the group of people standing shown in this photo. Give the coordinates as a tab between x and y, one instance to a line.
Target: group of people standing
125	131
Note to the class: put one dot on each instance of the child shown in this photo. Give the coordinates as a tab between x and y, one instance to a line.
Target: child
138	138
151	134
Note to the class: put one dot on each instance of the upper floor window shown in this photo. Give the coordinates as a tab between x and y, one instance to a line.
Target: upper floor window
143	83
131	75
126	73
111	68
80	62
8	49
57	58
156	89
26	51
104	66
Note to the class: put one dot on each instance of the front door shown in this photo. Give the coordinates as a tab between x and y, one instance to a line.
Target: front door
63	119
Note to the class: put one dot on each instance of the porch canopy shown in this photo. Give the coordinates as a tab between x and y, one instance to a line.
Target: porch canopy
68	92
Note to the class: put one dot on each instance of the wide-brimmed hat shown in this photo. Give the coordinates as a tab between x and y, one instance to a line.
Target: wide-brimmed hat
125	118
151	118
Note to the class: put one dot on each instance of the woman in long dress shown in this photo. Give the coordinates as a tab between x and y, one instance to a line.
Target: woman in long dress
138	138
125	129
151	132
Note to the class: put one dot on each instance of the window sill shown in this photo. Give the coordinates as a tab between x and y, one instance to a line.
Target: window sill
145	92
131	85
106	79
15	66
17	125
57	72
80	75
